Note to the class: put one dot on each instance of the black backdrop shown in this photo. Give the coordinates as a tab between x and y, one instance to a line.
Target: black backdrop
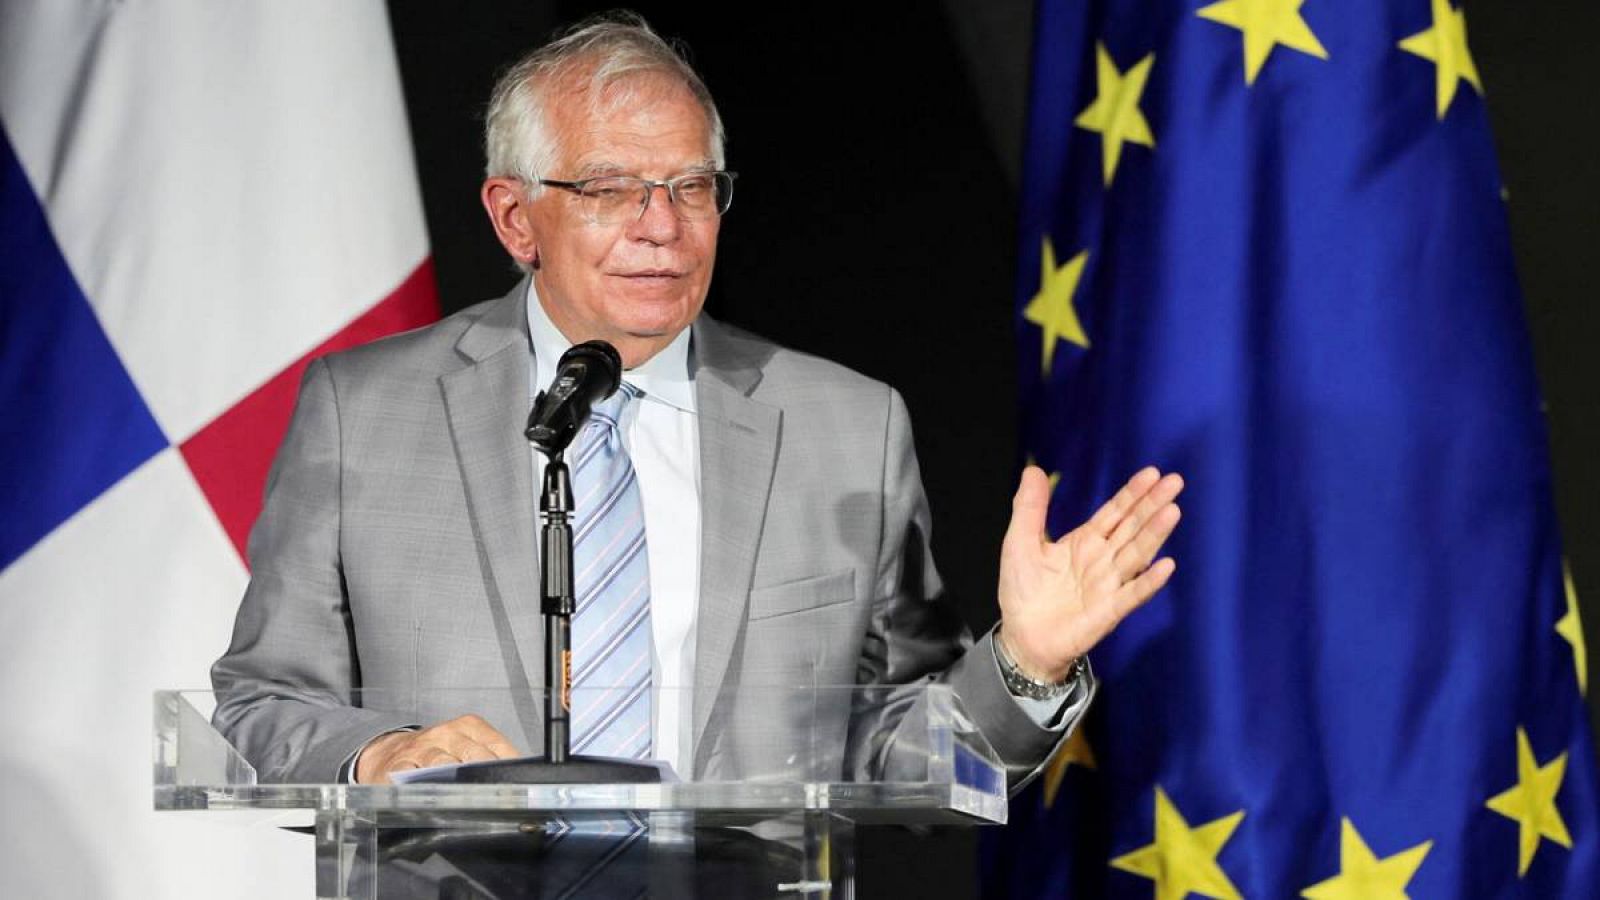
878	148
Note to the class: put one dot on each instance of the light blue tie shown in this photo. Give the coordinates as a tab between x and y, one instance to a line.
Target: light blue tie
611	637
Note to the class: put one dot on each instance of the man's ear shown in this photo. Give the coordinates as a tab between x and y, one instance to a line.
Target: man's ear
511	214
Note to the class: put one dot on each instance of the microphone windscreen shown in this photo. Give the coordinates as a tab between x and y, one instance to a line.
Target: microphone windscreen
603	357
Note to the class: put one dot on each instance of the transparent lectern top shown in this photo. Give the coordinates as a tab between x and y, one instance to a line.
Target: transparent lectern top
768	751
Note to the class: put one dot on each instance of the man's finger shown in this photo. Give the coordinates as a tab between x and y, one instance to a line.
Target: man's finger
466	749
1029	509
397	764
487	736
1136	592
437	756
503	749
1159	495
1135	556
452	742
1106	518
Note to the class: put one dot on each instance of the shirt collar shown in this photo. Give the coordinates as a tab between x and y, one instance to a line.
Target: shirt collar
664	378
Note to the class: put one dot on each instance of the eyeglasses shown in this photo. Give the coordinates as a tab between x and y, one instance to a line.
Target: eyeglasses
610	199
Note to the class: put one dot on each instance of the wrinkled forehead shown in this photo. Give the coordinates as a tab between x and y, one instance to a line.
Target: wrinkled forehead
583	102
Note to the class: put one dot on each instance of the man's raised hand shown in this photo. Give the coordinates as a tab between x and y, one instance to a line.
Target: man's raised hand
1059	598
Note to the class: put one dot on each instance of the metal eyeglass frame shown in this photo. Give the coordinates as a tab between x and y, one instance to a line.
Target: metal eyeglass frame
671	184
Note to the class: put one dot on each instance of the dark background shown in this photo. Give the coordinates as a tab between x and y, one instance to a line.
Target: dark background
879	151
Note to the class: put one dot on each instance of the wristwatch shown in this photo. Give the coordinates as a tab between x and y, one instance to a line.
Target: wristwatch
1020	684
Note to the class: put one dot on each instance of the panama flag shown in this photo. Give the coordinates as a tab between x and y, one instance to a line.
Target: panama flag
195	199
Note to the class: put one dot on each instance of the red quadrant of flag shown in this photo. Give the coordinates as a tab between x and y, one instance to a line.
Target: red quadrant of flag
230	456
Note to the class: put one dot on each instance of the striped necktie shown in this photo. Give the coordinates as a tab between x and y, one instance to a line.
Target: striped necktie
611	636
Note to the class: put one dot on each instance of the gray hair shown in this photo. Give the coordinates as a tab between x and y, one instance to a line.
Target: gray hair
603	53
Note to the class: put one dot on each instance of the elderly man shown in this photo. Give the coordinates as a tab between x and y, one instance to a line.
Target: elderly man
754	515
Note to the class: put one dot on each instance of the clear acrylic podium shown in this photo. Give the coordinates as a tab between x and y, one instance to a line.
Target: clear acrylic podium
767	809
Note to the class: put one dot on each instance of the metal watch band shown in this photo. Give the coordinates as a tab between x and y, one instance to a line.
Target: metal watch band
1021	685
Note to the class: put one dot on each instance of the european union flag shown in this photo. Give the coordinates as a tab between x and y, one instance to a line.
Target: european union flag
1265	245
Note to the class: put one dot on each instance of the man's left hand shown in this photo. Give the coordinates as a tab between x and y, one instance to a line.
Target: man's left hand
1059	598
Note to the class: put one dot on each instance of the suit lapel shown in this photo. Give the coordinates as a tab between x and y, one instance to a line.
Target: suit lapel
486	403
738	449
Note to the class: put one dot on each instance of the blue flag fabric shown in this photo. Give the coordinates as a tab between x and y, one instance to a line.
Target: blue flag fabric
1264	244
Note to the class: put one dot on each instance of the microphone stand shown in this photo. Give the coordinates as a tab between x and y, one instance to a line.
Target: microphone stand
558	601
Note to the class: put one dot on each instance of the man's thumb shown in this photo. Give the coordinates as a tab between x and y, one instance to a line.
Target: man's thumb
1029	507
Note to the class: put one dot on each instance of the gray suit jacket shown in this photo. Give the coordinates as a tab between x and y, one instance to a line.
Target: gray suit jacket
396	554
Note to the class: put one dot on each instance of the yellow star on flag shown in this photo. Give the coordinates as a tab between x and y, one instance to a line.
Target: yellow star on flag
1532	802
1265	24
1074	752
1183	859
1115	111
1445	45
1051	308
1569	626
1363	876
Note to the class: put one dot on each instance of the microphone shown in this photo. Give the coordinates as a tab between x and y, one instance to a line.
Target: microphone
587	374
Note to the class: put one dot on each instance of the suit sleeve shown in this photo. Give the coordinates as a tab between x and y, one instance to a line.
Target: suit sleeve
916	638
287	688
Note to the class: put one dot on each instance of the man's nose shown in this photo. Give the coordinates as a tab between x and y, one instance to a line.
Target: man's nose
658	222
